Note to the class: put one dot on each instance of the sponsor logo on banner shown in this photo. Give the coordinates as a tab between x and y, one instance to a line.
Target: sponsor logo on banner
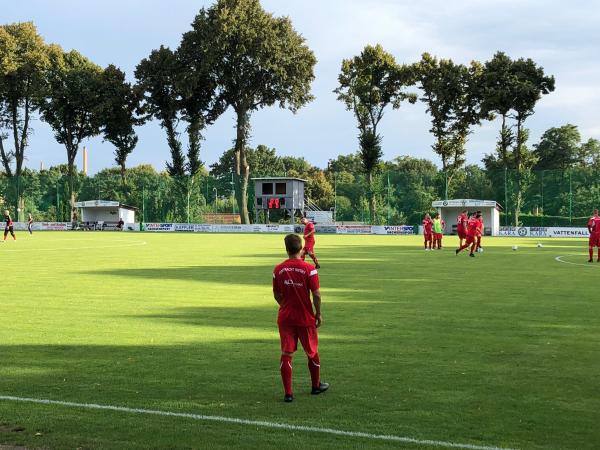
201	228
393	229
325	229
55	226
568	232
159	227
508	231
353	229
188	227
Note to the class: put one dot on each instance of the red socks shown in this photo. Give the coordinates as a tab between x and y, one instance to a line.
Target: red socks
285	367
591	250
314	366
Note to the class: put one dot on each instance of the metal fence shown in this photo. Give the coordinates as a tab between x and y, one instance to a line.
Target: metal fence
542	198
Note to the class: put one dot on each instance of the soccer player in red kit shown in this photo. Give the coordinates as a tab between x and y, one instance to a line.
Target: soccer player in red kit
479	232
309	241
293	282
594	229
428	231
461	227
472	230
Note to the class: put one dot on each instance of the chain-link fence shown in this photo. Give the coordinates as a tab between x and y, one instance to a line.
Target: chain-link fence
395	197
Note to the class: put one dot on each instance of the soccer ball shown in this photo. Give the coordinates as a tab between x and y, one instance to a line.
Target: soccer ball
540	245
515	247
480	250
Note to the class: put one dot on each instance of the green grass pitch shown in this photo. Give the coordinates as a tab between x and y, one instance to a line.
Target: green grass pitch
498	350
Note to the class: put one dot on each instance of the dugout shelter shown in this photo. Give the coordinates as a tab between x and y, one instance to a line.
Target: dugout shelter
278	193
450	209
105	213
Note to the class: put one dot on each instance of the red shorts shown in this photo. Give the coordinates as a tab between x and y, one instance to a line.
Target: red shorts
309	247
594	240
428	236
461	234
438	236
470	239
289	335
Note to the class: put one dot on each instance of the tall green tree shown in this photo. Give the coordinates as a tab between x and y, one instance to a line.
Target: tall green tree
451	94
258	60
368	84
120	104
512	89
558	148
588	154
23	62
157	78
497	95
72	103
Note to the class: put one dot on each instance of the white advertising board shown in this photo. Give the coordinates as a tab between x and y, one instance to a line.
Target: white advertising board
544	232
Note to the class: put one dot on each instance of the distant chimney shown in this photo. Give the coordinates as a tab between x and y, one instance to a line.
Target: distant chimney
41	165
85	162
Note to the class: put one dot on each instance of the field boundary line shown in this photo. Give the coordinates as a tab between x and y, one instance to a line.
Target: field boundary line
558	258
53	249
257	423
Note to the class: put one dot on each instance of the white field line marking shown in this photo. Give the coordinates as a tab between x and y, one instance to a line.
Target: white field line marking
558	258
130	244
257	423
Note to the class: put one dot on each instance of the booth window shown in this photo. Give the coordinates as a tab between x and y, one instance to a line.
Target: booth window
280	188
267	188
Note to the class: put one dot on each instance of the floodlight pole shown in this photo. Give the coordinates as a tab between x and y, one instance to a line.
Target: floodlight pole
232	196
215	191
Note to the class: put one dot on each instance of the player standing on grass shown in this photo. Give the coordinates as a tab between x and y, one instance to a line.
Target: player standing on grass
30	223
309	241
428	231
479	232
438	231
472	230
293	281
461	227
8	225
594	241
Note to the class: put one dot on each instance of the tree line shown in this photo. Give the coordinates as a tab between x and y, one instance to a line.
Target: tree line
236	55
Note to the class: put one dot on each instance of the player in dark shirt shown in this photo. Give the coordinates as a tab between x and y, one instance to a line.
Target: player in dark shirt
30	223
8	227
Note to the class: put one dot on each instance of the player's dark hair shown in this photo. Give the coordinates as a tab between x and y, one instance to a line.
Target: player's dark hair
293	244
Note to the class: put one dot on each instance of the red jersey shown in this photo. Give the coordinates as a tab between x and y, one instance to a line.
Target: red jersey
307	229
472	227
594	225
427	226
480	227
294	279
461	222
9	221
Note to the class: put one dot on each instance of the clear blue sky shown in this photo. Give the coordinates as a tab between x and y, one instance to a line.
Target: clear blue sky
562	37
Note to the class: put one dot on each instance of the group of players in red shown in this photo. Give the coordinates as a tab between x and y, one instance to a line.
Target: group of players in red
294	280
469	228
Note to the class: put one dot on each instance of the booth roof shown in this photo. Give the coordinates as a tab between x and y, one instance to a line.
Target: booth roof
466	202
103	204
278	179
